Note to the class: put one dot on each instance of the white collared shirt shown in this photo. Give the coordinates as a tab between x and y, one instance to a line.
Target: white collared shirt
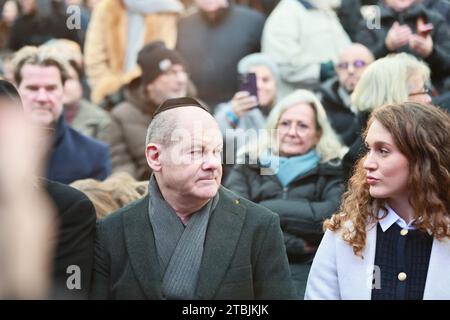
391	218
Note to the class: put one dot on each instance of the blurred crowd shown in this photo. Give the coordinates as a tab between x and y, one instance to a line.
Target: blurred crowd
82	79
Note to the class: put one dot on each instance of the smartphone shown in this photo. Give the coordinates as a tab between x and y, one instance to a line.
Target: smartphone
247	82
423	29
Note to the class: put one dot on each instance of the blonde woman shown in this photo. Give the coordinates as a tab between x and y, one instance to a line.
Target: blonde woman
115	192
396	78
296	172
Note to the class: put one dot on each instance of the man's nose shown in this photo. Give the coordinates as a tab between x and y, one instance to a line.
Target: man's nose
42	95
211	162
350	68
181	76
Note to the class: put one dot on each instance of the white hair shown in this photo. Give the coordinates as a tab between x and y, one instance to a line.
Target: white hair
329	146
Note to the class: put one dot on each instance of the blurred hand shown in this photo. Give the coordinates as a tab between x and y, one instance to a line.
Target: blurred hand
398	36
309	248
26	214
423	46
242	103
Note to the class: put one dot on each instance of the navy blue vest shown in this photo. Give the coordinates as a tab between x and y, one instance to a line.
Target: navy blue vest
395	254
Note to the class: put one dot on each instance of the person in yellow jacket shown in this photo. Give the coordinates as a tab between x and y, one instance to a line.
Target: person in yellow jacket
117	31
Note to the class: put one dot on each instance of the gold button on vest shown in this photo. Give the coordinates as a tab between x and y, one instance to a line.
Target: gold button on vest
402	276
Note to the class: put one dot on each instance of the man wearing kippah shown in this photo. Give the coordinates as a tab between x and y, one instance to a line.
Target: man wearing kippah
163	76
190	238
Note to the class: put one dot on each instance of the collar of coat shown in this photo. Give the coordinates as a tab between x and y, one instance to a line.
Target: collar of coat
306	4
60	130
412	12
222	237
222	13
136	95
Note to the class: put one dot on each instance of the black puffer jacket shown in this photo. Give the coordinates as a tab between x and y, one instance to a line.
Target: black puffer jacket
302	206
341	117
439	60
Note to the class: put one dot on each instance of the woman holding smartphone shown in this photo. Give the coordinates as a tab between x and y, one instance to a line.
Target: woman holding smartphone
241	118
390	239
247	109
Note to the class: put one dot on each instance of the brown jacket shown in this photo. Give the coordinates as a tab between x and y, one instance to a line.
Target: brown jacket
129	128
106	40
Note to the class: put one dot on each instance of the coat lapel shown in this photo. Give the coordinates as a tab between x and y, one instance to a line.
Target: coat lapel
356	273
437	285
141	248
222	236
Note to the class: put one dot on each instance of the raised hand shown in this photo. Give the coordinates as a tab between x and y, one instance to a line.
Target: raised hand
243	102
398	36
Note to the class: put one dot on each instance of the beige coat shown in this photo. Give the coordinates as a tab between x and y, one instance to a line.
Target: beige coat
299	40
93	122
105	45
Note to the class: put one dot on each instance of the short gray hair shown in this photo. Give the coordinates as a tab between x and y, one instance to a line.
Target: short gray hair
161	127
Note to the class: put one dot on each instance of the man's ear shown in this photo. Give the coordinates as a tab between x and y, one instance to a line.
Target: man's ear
152	154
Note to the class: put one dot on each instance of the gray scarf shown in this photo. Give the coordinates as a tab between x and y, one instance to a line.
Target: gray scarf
136	11
179	247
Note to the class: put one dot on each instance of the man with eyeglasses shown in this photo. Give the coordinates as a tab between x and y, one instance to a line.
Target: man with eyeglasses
164	76
335	93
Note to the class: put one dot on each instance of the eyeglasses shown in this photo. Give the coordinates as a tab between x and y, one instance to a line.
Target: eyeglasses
286	125
425	90
357	64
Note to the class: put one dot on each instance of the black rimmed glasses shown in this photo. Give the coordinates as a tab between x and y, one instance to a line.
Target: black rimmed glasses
425	90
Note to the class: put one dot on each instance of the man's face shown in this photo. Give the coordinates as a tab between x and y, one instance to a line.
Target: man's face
10	11
28	6
169	85
191	167
399	5
210	6
41	90
352	62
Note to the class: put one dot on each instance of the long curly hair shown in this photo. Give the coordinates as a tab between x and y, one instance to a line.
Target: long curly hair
422	134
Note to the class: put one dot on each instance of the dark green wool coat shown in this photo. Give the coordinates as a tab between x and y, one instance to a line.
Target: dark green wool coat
244	256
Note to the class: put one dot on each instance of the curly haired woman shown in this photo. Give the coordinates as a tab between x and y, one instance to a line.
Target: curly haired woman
391	237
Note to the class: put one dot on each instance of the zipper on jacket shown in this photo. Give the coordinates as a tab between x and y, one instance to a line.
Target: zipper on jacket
285	191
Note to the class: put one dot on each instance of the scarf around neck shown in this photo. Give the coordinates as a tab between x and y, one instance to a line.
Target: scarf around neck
144	7
179	248
288	169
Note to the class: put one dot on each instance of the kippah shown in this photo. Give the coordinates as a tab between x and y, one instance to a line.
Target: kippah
179	103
